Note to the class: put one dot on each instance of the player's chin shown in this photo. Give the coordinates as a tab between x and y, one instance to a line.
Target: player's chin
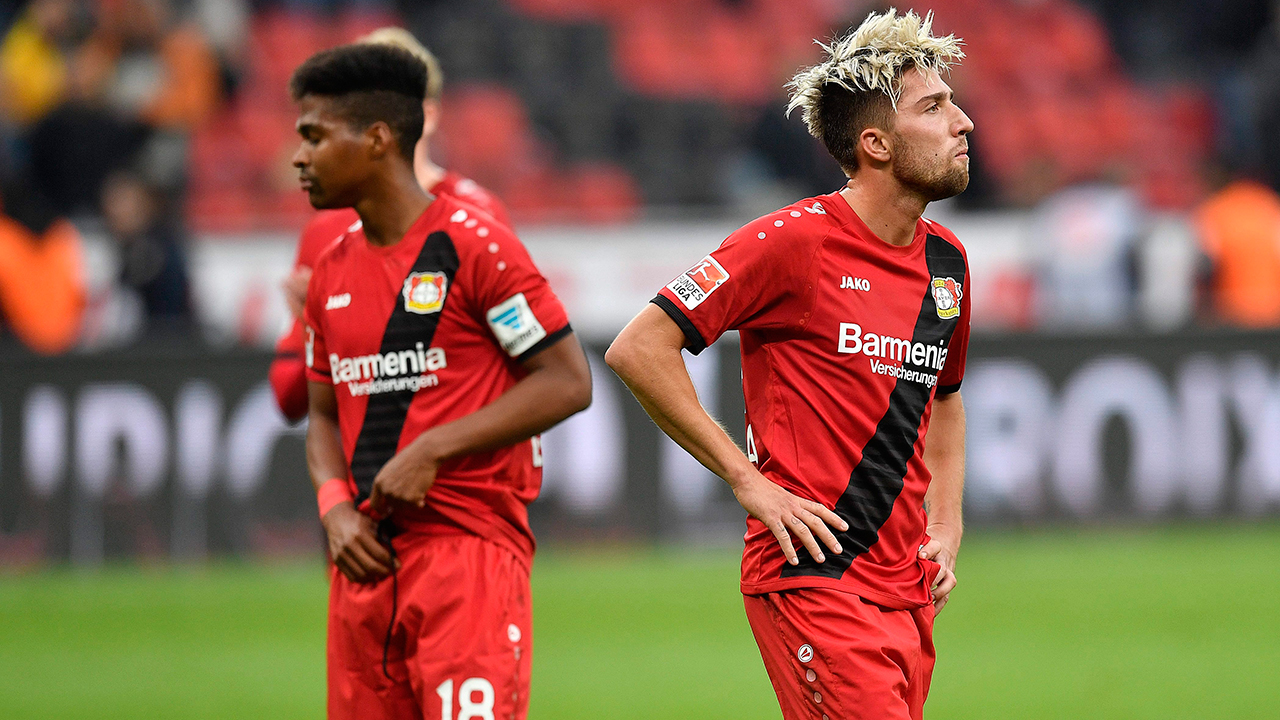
950	185
319	200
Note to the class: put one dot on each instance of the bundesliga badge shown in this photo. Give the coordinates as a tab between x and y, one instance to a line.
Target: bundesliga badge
424	292
946	296
698	282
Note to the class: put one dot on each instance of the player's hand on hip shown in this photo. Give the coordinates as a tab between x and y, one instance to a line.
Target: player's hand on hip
942	547
790	517
354	545
405	479
943	584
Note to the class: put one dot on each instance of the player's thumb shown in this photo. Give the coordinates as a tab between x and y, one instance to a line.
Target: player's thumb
930	549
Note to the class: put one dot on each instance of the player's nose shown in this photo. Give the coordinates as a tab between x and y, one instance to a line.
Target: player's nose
966	125
301	158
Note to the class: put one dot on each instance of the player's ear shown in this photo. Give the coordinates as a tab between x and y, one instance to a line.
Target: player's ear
430	117
380	140
875	144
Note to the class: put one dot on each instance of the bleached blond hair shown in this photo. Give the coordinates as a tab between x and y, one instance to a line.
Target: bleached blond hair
872	59
403	39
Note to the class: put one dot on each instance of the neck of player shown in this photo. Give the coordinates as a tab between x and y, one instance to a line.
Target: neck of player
393	203
887	208
428	173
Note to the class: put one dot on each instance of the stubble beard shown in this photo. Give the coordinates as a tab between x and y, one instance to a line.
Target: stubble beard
930	178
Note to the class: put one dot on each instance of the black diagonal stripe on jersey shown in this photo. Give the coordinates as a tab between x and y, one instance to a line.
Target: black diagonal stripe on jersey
874	485
384	416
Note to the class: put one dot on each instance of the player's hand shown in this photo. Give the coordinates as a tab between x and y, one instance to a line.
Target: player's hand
406	478
786	515
354	545
942	548
295	290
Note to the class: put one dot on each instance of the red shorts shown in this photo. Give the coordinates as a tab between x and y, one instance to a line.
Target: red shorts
462	640
831	654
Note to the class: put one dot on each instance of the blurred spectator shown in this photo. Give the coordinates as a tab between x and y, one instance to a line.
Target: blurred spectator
1239	228
131	93
152	255
156	69
42	293
1085	238
34	58
73	149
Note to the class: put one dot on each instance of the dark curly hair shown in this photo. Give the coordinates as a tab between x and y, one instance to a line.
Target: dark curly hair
368	83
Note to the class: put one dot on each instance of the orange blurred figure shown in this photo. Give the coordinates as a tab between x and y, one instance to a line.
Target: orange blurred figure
1239	228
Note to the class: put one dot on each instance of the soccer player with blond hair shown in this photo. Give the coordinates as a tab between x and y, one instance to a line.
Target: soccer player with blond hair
853	315
287	370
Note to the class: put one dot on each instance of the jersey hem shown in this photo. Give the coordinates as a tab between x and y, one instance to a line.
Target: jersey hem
696	343
888	600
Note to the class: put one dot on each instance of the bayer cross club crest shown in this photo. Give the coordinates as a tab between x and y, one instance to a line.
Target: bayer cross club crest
946	296
424	292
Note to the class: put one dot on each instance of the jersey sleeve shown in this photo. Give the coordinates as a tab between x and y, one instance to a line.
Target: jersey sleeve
957	352
511	297
288	373
756	279
313	346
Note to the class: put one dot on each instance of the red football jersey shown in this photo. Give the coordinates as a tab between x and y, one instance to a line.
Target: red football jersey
424	332
845	338
287	371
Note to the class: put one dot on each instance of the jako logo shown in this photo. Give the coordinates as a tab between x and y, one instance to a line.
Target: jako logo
855	283
337	301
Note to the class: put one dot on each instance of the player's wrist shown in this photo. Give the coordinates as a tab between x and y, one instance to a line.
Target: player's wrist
332	493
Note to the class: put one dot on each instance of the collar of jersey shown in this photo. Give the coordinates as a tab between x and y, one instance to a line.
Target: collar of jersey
837	206
419	226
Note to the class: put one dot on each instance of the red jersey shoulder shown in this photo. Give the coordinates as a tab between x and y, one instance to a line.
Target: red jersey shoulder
321	231
471	228
764	255
471	192
786	236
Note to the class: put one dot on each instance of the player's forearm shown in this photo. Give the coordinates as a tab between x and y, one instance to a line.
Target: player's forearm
652	367
557	386
325	459
944	456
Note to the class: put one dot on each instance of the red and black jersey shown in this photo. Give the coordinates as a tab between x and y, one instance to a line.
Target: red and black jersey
845	339
288	378
422	333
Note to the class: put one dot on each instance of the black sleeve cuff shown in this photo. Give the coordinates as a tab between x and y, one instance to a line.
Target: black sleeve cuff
545	343
693	341
948	389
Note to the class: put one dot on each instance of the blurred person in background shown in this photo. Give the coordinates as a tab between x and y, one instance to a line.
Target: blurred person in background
136	87
1084	246
287	374
34	58
436	352
854	524
1239	231
42	293
153	263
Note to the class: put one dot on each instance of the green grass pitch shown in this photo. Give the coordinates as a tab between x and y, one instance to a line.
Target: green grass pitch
1090	623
